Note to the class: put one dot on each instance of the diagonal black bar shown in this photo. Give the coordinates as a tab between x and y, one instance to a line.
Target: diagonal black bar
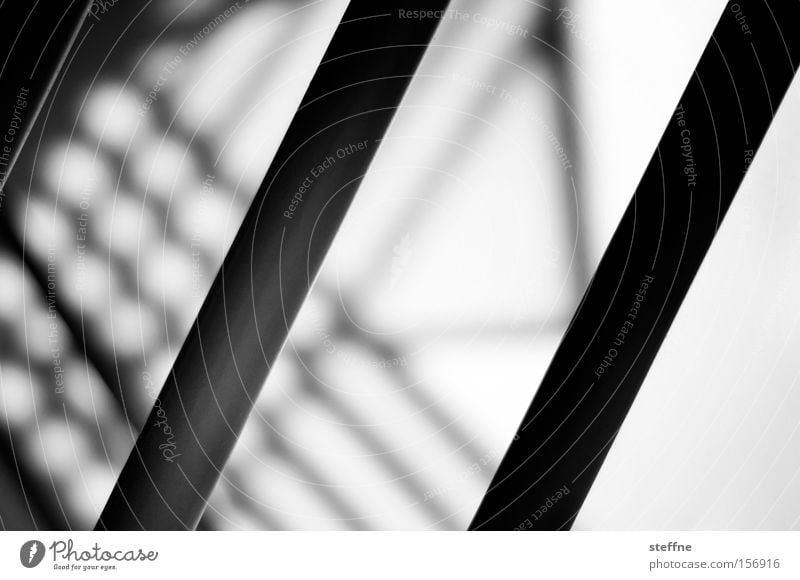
35	38
271	265
647	269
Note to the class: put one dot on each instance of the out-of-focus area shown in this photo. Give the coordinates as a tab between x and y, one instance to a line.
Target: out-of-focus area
437	311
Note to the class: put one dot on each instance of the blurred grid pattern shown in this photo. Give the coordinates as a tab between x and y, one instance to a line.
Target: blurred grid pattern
464	237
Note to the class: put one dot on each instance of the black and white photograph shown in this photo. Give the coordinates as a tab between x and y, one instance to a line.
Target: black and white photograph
273	271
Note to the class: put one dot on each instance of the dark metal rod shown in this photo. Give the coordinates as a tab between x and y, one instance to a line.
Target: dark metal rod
647	269
35	38
270	267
